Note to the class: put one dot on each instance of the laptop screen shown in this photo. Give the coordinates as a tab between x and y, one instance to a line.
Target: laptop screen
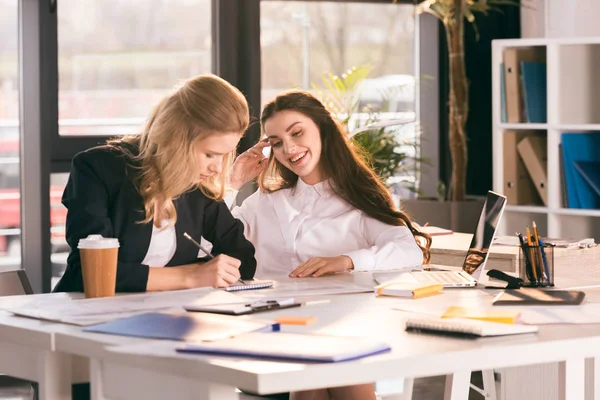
483	236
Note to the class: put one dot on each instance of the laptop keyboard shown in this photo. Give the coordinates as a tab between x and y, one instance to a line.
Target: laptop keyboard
438	277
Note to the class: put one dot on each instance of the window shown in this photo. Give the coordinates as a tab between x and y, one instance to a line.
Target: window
301	41
10	217
118	58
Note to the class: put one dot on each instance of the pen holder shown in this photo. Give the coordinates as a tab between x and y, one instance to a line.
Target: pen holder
536	265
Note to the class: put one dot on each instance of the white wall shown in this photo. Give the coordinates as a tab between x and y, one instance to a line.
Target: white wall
560	18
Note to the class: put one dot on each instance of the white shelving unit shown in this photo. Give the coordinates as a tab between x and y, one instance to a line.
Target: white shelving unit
573	105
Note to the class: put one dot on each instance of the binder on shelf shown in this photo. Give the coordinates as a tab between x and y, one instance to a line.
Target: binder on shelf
579	147
590	170
503	114
512	57
563	181
533	152
518	186
533	78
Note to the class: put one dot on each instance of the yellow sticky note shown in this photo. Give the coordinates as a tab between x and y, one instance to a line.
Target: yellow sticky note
493	315
295	320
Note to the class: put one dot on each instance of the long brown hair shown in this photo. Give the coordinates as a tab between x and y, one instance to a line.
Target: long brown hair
341	161
201	106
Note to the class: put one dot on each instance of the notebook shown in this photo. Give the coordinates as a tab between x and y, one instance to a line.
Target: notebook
290	347
492	315
408	289
249	285
182	326
477	253
539	297
466	327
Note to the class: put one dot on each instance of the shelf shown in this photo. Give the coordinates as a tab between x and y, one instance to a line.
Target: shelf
546	41
527	209
524	126
579	127
577	212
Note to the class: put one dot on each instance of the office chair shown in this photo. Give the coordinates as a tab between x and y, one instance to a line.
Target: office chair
14	283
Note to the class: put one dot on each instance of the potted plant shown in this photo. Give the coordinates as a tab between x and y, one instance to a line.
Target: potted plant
380	140
455	212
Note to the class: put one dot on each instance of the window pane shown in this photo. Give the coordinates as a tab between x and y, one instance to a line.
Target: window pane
300	41
10	217
58	215
117	58
303	41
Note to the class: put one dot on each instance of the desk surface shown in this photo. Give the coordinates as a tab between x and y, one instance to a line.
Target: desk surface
355	315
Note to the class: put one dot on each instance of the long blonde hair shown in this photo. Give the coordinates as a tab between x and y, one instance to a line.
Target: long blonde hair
201	106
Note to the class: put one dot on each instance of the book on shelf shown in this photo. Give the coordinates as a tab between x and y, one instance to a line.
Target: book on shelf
590	170
533	80
532	150
518	186
512	58
580	147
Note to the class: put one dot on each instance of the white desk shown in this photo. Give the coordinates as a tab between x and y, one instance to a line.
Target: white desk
41	351
27	349
153	370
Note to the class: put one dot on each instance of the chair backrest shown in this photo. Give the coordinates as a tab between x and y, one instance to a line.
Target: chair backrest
14	283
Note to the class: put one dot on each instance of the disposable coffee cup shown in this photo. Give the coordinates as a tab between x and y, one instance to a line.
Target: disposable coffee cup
99	265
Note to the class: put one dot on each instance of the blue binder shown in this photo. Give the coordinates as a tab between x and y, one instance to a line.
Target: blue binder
182	326
533	79
578	147
590	170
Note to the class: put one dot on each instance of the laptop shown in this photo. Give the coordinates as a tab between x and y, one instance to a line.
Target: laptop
477	254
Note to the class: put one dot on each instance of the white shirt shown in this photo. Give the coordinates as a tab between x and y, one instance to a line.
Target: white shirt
291	226
163	244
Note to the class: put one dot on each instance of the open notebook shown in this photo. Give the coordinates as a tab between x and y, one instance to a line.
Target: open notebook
465	327
249	285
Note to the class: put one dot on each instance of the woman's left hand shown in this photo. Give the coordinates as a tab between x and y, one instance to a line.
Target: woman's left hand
248	165
318	266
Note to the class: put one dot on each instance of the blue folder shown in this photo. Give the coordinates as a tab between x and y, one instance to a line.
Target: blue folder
290	347
533	79
182	326
590	170
578	147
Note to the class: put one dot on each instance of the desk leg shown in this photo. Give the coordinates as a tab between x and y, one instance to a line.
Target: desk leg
123	383
595	376
96	392
571	379
54	376
458	386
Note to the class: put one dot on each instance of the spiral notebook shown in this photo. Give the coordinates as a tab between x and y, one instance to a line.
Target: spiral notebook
249	285
466	327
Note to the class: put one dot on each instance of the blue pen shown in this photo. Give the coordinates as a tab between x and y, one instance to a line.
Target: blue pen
544	260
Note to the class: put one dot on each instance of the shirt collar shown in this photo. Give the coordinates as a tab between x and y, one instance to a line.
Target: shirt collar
322	188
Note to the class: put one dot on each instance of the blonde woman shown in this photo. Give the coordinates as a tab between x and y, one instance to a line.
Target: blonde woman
148	189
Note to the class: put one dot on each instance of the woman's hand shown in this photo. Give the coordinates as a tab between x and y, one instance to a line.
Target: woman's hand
322	265
248	165
221	271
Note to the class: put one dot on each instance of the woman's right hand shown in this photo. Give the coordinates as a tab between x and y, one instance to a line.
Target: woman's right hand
248	165
221	271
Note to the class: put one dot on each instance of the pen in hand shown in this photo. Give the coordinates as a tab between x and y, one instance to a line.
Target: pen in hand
208	254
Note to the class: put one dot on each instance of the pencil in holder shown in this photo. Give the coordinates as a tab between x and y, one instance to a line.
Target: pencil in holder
536	265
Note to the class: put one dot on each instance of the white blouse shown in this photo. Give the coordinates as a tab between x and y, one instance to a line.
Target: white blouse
163	244
290	226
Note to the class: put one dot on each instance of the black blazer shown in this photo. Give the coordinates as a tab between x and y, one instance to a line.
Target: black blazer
101	198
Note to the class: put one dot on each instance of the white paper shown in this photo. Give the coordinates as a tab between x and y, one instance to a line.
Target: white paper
93	311
300	287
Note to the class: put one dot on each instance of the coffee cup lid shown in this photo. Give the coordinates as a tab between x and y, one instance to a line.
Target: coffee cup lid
98	242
